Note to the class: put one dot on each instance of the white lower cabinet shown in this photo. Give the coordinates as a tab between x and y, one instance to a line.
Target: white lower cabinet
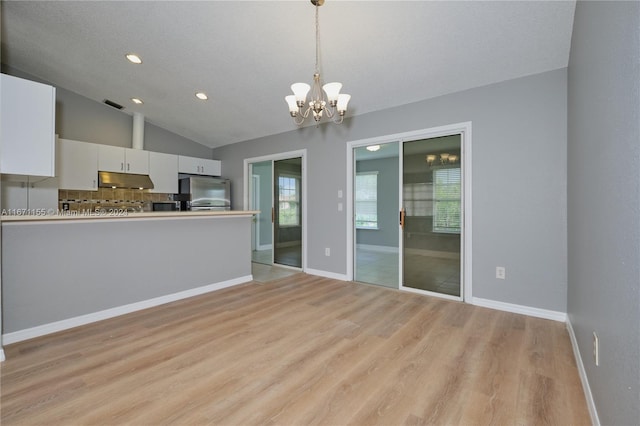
77	165
163	171
199	166
29	195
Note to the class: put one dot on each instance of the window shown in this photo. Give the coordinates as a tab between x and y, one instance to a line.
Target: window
289	201
418	199
367	200
446	200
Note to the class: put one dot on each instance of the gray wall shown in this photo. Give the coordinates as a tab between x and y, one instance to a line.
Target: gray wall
86	120
387	232
519	181
604	202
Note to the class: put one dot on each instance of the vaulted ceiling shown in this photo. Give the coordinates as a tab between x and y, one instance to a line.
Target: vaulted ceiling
246	54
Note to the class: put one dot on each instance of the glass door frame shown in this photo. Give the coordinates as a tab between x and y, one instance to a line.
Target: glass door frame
246	194
464	129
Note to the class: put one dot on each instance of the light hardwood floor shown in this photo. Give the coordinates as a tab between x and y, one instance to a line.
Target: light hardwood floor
300	350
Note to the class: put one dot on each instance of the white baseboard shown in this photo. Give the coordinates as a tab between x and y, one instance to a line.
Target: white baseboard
333	275
41	330
583	376
2	358
520	309
265	247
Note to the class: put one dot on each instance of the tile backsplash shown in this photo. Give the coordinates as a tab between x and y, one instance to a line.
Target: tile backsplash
108	197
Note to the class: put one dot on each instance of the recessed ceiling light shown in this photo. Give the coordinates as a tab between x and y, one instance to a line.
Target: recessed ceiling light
137	101
202	96
132	57
373	148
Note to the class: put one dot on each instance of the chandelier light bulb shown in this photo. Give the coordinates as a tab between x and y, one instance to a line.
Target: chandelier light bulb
332	90
300	91
293	106
343	100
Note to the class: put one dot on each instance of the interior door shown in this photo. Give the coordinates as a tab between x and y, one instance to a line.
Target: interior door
431	215
287	212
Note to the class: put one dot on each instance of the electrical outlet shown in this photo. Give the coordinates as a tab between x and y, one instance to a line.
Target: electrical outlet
327	251
501	272
596	349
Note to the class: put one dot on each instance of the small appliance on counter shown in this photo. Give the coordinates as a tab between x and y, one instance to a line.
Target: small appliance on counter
204	193
165	206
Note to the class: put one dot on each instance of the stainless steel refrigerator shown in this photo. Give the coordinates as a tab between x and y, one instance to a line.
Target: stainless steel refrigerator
205	193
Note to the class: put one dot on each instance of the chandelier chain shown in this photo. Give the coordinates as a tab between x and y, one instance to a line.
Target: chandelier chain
317	39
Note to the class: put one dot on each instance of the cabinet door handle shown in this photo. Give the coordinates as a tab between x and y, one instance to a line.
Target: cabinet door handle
94	183
121	167
128	166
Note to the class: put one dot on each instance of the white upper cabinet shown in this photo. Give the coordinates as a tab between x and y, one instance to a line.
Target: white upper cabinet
163	171
77	164
27	127
199	166
123	160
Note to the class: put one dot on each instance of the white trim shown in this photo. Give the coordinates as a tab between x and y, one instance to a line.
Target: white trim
41	330
430	293
379	249
591	405
256	222
520	309
326	274
2	358
464	129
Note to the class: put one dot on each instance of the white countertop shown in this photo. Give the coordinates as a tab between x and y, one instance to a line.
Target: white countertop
44	215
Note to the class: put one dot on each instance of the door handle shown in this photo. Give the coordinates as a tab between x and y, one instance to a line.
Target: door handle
273	215
402	215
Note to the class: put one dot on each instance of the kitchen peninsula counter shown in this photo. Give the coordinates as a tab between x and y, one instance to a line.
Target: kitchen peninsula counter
62	271
51	215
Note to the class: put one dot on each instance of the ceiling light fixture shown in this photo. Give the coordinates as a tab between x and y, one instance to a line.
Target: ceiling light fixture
445	158
202	96
137	101
132	57
334	104
373	148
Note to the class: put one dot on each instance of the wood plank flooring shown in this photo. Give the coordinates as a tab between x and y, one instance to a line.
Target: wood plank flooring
300	350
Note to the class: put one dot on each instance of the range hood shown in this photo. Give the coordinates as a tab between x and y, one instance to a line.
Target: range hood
124	180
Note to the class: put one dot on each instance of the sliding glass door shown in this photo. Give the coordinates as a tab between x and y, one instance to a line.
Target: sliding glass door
261	199
287	212
431	215
376	195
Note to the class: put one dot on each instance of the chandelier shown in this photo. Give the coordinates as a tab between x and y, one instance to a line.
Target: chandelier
444	158
333	105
